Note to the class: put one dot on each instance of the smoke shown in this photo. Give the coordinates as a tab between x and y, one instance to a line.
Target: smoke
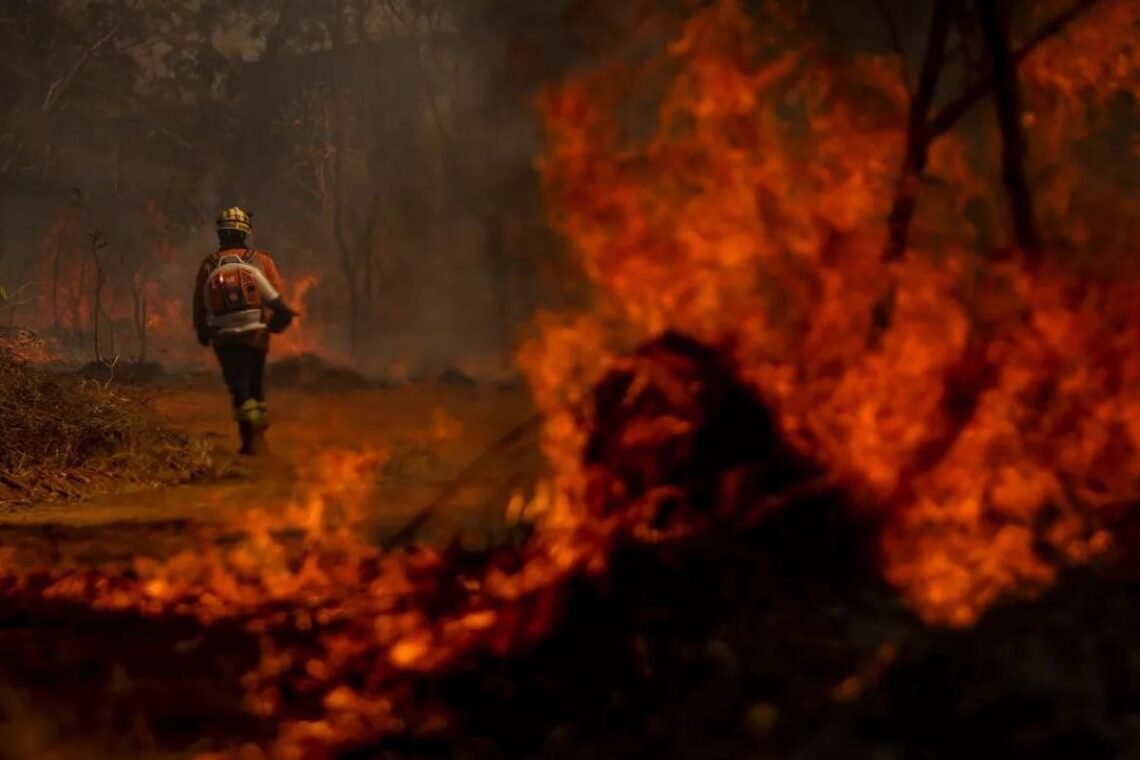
414	139
385	149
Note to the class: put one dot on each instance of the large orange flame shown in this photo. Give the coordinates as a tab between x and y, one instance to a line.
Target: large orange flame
993	423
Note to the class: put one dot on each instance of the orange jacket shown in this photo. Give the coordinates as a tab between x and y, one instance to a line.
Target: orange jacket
260	259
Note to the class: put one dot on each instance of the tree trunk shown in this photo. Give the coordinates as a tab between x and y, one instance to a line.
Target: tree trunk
496	258
98	303
917	135
110	334
353	319
348	248
247	152
917	151
951	113
142	330
1007	102
921	133
3	225
77	305
138	295
55	287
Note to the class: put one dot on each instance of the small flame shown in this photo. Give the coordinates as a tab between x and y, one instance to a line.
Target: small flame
303	337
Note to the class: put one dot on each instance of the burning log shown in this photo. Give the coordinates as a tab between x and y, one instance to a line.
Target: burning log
681	455
677	440
681	458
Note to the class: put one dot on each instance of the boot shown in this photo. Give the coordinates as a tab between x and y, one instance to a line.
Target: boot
251	426
252	439
248	438
257	445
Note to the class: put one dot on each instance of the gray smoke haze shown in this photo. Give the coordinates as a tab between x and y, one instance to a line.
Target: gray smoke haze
385	147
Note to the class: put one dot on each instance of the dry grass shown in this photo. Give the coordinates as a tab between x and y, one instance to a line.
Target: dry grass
67	438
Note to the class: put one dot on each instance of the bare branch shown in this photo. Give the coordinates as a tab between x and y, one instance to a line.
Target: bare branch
952	112
917	137
60	86
1007	101
397	14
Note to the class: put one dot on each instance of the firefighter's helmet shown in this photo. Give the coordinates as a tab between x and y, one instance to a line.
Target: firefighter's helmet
235	219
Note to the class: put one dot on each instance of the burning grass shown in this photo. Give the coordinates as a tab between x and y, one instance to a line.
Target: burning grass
66	438
349	635
701	603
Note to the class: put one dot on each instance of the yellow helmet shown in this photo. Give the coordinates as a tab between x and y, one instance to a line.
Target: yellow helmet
235	219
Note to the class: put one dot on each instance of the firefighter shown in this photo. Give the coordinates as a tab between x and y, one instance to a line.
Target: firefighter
237	304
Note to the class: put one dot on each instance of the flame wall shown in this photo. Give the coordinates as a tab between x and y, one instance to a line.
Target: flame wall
991	429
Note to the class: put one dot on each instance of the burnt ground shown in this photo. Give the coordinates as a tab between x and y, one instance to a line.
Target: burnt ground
776	642
769	645
782	646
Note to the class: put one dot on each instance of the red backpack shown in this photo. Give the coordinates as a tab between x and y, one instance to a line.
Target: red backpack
233	289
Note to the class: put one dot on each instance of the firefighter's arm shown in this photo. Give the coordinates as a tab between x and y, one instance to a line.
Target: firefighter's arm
271	273
282	315
200	326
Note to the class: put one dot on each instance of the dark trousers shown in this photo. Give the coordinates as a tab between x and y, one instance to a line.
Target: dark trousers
243	369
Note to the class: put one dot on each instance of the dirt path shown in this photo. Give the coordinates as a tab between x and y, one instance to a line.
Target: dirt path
80	683
429	433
